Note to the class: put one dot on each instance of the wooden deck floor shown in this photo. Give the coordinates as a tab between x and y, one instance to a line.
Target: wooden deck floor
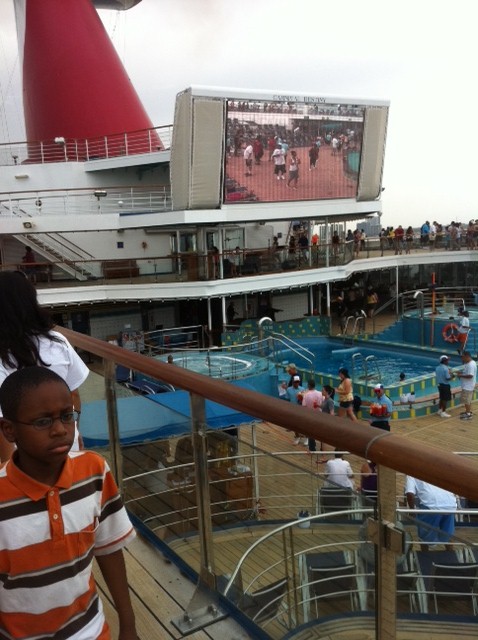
160	592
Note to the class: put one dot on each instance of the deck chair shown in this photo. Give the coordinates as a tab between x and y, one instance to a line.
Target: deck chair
332	576
408	589
457	581
335	499
264	604
368	497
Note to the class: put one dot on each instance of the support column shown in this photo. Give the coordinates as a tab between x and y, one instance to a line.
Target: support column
390	541
116	460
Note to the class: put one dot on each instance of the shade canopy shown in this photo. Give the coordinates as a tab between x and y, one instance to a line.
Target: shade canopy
153	417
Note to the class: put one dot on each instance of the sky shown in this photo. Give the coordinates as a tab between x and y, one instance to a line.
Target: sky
420	55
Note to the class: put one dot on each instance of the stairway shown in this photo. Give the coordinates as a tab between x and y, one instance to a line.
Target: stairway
68	257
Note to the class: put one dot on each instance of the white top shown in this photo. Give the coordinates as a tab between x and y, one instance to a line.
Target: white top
468	384
248	152
278	157
464	325
428	496
339	471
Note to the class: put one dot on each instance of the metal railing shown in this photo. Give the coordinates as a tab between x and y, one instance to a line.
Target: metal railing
391	453
62	149
79	202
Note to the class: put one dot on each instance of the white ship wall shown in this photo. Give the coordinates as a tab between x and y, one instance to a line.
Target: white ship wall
75	175
130	243
292	305
106	325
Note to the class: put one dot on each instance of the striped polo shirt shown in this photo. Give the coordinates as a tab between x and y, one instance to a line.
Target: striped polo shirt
48	538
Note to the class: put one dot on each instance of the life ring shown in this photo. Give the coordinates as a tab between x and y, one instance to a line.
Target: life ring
449	332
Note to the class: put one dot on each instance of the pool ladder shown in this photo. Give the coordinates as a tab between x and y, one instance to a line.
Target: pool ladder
365	369
358	324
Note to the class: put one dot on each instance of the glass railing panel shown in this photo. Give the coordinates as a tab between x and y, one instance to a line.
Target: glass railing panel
272	522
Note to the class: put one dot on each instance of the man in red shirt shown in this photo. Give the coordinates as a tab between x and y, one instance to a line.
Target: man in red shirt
398	239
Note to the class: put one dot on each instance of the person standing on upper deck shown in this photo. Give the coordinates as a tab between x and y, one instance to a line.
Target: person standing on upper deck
463	330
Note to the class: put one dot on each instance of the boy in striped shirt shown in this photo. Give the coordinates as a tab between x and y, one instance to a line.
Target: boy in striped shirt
58	510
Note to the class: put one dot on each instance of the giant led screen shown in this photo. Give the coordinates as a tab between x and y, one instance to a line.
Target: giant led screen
291	149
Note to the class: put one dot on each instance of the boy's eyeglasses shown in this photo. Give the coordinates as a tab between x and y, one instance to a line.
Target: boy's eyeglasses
46	423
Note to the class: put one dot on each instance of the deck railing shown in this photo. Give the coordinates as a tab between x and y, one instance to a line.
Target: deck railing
83	202
62	149
390	451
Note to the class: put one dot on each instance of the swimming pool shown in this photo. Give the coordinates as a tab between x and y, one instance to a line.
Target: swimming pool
220	365
433	330
371	363
330	355
444	312
368	363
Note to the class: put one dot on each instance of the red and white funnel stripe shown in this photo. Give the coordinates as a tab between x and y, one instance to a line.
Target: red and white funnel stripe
74	84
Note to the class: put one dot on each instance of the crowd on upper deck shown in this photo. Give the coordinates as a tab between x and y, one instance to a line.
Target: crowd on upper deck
432	235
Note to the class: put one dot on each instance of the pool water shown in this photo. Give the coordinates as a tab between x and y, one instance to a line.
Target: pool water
365	363
220	365
370	364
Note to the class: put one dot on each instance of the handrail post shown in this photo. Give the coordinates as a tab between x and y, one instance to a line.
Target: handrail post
386	582
203	608
206	545
116	461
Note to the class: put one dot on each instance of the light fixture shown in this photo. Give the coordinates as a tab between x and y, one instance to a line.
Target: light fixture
99	193
60	140
21	176
28	225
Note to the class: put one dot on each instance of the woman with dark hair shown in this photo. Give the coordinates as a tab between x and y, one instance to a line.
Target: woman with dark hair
27	339
346	395
368	478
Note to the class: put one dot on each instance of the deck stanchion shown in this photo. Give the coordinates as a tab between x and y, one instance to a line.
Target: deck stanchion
199	426
204	608
113	425
389	542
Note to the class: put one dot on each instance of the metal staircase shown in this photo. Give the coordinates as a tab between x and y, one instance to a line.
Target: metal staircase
63	253
55	248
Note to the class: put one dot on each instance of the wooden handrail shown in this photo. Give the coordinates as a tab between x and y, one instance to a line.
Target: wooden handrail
439	467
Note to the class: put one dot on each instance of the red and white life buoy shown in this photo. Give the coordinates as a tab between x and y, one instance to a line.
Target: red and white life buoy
450	332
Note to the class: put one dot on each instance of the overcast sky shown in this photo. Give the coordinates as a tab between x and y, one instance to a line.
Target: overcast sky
421	55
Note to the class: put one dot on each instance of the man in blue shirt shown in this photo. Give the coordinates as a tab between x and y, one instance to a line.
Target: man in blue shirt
443	375
425	234
381	409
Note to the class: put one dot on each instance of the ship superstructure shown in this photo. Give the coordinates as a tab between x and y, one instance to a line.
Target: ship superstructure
152	219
